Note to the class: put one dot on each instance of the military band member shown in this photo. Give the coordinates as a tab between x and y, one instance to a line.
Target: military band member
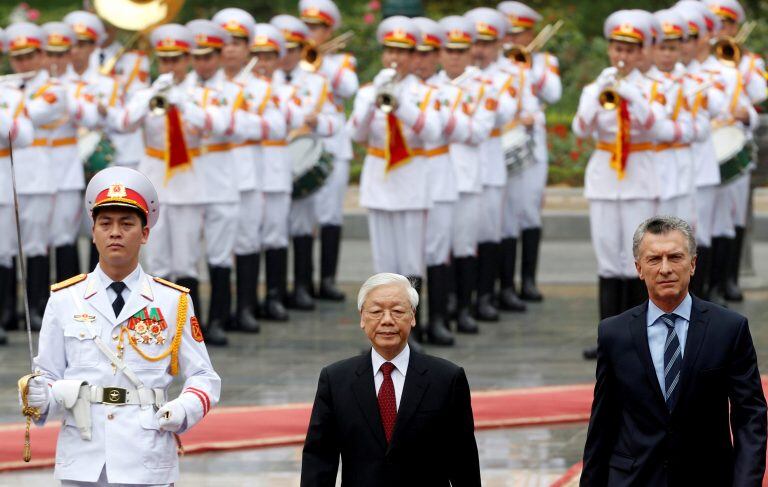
175	118
620	181
395	116
545	82
323	19
13	121
111	344
45	101
312	113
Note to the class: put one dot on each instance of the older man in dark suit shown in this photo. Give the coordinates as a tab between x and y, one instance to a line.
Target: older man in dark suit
678	399
395	417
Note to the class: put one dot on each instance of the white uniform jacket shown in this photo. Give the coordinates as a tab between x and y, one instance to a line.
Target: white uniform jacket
125	438
264	103
339	70
13	121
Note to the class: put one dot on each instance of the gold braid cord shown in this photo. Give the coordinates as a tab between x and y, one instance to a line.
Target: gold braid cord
173	350
29	413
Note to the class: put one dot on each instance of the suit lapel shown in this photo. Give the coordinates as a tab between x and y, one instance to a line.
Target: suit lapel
365	393
138	299
697	330
639	330
96	296
416	383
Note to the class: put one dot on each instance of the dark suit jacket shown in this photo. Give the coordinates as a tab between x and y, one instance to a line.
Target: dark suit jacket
433	442
634	440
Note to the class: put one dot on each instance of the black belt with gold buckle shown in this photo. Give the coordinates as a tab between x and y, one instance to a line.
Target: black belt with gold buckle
114	395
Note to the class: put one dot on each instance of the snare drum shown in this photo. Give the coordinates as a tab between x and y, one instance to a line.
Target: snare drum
518	152
311	165
732	151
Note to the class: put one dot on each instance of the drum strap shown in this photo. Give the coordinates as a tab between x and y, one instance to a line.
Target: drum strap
115	93
264	102
736	92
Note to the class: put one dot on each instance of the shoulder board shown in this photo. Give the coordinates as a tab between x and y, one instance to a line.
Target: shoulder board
69	282
170	284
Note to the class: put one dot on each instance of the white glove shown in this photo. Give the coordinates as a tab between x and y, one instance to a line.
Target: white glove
38	393
385	76
629	92
163	82
172	416
176	97
607	77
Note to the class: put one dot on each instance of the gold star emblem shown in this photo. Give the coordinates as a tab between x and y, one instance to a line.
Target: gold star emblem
116	190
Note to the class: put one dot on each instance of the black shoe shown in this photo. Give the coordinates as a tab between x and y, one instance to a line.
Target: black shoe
213	332
732	290
413	343
330	243
487	256
589	353
247	279
466	278
418	333
301	298
437	330
508	299
531	238
67	262
465	323
277	270
485	310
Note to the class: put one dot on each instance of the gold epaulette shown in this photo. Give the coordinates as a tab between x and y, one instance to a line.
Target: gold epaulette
69	282
173	285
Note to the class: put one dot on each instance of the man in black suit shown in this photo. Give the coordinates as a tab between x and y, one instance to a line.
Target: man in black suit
396	417
678	399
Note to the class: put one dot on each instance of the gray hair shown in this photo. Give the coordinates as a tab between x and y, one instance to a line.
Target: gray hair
659	225
384	279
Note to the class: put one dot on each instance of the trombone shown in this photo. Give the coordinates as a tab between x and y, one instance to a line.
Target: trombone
523	54
728	50
312	54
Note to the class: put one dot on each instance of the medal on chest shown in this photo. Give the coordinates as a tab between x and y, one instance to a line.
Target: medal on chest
148	327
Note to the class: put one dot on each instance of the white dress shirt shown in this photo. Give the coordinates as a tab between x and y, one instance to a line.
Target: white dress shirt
131	282
398	374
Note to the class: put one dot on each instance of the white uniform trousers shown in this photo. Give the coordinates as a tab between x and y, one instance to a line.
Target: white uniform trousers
329	199
705	214
532	195
439	232
397	241
302	217
35	212
274	226
175	242
8	243
250	213
65	221
465	225
739	190
512	212
102	482
220	230
724	221
490	217
612	224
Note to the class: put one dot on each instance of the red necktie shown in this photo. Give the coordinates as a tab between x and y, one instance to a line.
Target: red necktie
387	402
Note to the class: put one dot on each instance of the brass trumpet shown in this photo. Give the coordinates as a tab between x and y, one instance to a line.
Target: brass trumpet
159	104
386	101
609	98
312	54
524	54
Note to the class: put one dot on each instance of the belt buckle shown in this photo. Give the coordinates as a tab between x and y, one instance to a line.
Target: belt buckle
114	395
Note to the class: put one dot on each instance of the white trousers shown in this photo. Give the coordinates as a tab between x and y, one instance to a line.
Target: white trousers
705	214
739	191
8	243
250	213
512	207
329	199
532	196
220	229
489	218
302	217
439	233
67	214
274	226
35	212
102	482
612	224
397	241
725	213
175	242
465	225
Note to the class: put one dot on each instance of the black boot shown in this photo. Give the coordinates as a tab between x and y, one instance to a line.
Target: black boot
718	270
38	273
732	289
301	298
700	279
330	243
635	293
488	265
417	333
437	329
9	319
610	301
5	282
508	298
93	257
466	280
67	262
450	288
247	277
277	271
531	240
220	306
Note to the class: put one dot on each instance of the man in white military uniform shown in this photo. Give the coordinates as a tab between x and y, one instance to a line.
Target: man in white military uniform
111	344
173	141
544	76
13	121
315	114
620	182
323	18
394	184
45	101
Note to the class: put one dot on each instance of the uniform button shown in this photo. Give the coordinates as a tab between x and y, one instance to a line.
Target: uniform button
110	416
115	337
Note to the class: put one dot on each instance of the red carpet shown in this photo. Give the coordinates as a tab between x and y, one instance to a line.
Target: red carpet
231	428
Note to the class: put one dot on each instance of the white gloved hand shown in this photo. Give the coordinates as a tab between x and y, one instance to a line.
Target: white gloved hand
39	393
629	92
172	416
163	82
607	77
176	97
385	76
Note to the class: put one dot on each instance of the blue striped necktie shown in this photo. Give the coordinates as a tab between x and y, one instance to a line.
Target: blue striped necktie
673	361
